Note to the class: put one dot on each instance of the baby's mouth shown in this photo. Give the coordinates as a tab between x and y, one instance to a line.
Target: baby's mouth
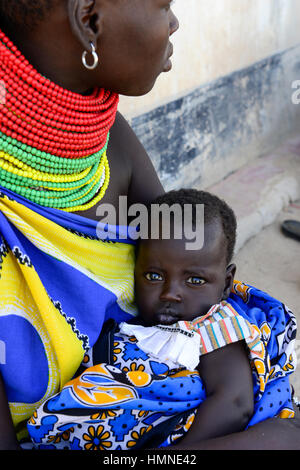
167	318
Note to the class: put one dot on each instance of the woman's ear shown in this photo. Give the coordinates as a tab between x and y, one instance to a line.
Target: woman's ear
85	20
230	273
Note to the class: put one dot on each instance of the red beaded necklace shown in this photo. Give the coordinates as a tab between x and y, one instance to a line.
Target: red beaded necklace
43	115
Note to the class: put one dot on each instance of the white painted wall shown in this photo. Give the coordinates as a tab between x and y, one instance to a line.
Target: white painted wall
217	37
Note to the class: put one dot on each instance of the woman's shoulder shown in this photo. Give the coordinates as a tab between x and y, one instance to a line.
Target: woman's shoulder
127	150
132	173
124	145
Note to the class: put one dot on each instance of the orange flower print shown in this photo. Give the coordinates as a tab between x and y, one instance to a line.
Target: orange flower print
116	351
59	437
97	438
134	368
137	435
32	419
104	414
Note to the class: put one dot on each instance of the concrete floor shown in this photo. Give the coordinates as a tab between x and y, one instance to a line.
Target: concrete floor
271	262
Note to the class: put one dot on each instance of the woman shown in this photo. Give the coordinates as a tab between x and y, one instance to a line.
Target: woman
121	46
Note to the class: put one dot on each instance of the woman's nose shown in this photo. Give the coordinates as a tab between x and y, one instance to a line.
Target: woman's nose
174	23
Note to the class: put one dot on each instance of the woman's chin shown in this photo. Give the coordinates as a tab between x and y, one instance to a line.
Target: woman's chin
138	91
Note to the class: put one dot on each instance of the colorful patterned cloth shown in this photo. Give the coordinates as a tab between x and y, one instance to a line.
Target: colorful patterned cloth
125	399
58	284
183	343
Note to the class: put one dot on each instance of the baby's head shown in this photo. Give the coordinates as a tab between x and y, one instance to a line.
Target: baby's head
173	283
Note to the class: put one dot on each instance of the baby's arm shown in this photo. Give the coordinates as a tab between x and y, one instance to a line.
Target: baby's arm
228	407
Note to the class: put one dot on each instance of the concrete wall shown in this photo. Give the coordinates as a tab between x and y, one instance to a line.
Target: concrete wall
228	98
220	126
217	38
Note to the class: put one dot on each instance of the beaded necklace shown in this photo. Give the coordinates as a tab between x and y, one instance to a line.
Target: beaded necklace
53	142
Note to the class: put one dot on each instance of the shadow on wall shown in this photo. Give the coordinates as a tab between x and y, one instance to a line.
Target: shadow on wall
220	126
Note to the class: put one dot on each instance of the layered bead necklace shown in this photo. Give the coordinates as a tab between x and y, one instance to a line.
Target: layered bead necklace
53	142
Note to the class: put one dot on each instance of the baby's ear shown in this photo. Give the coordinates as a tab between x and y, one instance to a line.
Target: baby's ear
230	273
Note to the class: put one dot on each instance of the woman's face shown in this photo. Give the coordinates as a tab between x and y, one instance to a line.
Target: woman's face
132	39
134	44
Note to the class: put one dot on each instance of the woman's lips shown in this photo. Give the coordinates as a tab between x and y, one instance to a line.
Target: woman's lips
168	64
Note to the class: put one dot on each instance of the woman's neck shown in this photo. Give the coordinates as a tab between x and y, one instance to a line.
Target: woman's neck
54	141
43	50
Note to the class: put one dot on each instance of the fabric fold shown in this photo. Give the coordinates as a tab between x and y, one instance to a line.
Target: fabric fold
137	401
183	343
58	284
175	345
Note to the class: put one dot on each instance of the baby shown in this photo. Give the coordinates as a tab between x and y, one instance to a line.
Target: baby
174	286
173	283
194	364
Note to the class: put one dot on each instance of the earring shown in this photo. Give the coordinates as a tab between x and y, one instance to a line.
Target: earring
95	57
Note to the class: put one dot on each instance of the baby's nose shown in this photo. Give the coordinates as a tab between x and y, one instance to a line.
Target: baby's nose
171	293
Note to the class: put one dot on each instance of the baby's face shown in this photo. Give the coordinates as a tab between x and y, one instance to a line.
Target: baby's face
174	284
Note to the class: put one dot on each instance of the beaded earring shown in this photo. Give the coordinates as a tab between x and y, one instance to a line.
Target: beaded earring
95	57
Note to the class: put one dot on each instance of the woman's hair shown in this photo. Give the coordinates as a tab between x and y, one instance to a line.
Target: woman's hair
214	209
23	14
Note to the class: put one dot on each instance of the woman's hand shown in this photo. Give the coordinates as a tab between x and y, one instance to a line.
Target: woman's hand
272	434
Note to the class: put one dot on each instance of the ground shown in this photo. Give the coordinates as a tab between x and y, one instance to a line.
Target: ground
262	194
271	262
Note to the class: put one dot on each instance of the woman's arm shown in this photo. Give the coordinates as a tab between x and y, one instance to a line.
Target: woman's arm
8	440
132	173
228	406
144	182
272	434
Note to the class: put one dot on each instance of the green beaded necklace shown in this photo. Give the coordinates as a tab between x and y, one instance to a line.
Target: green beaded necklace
53	142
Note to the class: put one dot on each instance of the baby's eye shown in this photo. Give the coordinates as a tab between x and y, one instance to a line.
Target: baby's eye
153	276
196	280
